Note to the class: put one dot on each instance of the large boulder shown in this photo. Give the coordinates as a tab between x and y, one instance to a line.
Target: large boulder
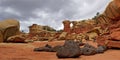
69	50
112	10
56	48
117	2
9	27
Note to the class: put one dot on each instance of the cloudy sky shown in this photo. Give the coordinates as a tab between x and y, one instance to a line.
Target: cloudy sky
49	12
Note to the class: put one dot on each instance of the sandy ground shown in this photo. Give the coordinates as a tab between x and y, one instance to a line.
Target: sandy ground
22	51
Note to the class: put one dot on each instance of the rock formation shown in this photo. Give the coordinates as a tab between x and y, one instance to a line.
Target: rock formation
78	26
34	29
66	24
8	28
110	19
41	33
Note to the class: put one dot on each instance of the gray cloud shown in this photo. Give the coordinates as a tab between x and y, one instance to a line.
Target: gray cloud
49	12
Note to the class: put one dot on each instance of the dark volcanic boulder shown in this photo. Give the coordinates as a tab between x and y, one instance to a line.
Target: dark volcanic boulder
101	49
46	48
69	50
89	46
88	50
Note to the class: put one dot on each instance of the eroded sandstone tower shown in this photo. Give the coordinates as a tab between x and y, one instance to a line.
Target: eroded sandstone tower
67	27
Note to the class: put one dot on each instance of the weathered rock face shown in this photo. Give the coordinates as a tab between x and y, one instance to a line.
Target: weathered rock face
69	50
115	35
110	19
117	2
102	40
8	28
111	14
34	29
112	11
106	40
